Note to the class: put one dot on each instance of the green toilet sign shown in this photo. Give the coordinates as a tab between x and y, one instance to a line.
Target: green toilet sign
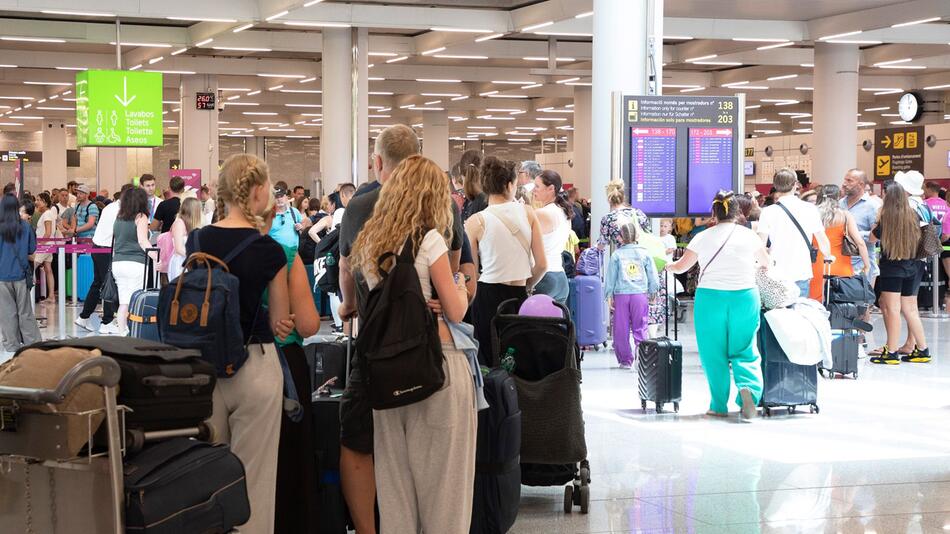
118	108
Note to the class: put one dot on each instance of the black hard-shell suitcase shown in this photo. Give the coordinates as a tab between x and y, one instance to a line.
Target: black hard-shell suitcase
846	324
497	457
785	384
660	367
327	361
185	486
166	387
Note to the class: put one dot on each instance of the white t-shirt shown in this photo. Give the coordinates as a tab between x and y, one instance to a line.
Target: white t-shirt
734	268
207	211
669	241
49	215
103	235
432	248
338	217
791	259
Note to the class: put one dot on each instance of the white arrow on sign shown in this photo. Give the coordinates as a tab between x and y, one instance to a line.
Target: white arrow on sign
638	131
125	100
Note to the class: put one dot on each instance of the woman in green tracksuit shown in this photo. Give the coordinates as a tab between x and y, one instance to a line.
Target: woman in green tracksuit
727	306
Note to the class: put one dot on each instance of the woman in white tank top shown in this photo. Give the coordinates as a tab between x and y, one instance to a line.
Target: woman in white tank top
554	218
507	244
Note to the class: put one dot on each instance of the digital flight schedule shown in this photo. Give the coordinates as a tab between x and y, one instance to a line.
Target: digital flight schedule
710	167
677	151
653	169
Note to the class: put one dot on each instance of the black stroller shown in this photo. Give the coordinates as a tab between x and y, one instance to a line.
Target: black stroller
547	374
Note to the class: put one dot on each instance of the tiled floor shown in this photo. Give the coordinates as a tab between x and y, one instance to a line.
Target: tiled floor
875	460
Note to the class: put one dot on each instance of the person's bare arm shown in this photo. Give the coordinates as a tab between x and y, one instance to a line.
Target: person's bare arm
48	229
89	225
178	237
278	305
685	263
474	229
141	235
468	269
762	257
537	249
824	245
452	296
347	309
306	318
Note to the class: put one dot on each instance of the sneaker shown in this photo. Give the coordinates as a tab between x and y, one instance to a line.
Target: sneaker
888	358
917	356
85	324
625	366
748	405
110	329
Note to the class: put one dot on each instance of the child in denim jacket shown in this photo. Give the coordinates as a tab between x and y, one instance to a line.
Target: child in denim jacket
631	282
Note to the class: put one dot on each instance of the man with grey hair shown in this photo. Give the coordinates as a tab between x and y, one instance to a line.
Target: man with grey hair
527	172
787	228
859	203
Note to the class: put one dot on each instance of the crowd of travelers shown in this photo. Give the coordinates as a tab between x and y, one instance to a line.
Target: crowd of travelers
486	231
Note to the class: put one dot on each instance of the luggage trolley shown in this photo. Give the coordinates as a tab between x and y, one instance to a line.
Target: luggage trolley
30	438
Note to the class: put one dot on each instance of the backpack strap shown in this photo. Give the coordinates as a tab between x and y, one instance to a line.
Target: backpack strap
408	255
239	248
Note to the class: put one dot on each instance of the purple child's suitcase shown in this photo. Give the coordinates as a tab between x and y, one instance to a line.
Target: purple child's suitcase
590	322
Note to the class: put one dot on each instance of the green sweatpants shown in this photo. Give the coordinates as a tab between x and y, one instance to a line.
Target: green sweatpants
726	327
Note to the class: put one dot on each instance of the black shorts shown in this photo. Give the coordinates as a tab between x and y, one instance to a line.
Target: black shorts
946	253
356	414
907	285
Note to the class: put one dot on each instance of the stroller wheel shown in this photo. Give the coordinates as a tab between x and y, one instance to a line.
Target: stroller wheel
568	498
585	499
585	476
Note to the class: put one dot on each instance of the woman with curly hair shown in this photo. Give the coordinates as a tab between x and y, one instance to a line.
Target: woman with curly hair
425	451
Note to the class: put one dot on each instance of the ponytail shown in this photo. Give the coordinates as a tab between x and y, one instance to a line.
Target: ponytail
469	169
552	178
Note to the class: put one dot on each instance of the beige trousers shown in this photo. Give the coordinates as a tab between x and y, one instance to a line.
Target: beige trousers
247	409
425	457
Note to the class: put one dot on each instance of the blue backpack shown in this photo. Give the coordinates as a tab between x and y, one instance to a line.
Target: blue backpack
202	310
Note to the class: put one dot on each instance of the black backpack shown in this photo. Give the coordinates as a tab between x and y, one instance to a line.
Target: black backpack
399	345
326	260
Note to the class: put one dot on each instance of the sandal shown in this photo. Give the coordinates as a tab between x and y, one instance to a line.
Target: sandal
880	351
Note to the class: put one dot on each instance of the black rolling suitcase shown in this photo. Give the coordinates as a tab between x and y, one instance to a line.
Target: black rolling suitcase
327	361
184	486
166	387
660	368
334	518
846	323
784	384
498	457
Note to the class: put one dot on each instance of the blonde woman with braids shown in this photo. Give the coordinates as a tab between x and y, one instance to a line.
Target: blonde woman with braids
190	217
248	405
727	306
424	452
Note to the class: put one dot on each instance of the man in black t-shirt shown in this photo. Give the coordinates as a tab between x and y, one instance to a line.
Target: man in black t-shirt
393	145
166	212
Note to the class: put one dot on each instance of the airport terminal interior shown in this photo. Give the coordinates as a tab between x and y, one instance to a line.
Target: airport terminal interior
677	99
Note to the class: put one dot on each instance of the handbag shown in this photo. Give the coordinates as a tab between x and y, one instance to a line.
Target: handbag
109	291
929	244
773	292
811	248
849	247
855	289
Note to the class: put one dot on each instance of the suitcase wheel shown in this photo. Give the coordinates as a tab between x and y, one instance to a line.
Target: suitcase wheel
814	409
768	411
659	407
791	410
568	498
585	499
643	405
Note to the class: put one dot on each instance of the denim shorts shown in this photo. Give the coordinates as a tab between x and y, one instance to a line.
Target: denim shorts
554	285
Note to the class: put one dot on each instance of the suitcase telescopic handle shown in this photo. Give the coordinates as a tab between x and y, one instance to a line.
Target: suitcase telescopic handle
166	381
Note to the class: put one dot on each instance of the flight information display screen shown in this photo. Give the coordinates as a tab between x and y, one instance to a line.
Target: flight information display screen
710	167
653	169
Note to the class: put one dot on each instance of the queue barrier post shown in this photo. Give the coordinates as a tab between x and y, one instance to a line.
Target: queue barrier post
935	311
61	294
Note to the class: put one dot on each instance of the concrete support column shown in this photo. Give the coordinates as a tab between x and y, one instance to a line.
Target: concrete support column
619	64
111	168
582	140
54	155
198	129
255	146
835	113
435	132
361	104
336	137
